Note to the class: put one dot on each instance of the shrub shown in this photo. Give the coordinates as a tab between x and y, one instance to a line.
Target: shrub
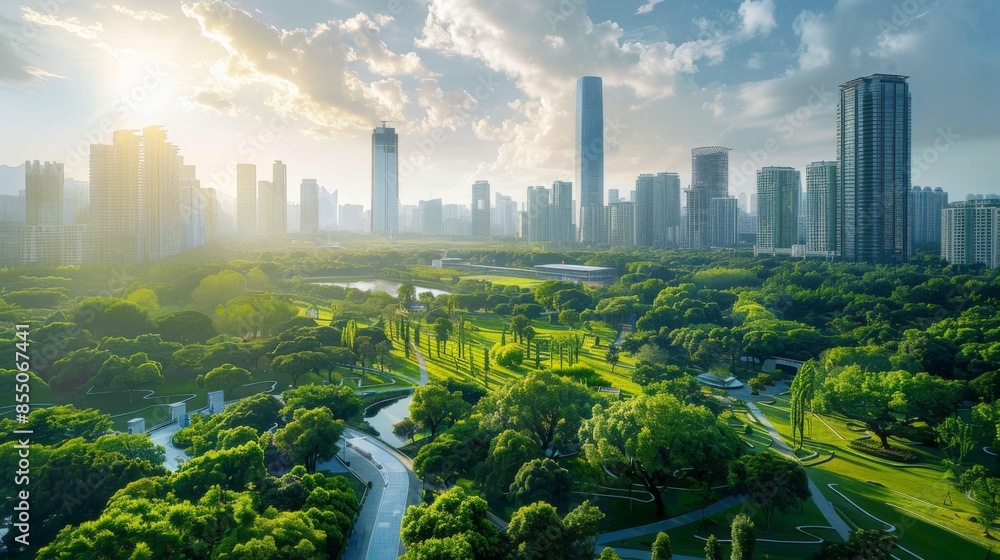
869	447
581	373
508	356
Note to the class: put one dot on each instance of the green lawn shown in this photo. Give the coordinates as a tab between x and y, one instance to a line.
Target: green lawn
529	283
689	539
909	496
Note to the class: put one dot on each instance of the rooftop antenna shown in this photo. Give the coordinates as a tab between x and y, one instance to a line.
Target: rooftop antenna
385	122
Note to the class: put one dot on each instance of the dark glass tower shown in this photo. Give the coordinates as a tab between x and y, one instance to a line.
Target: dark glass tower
589	185
873	157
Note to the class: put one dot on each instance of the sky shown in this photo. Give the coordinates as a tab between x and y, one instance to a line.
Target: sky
484	89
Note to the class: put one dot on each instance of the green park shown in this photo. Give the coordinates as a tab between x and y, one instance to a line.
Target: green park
546	418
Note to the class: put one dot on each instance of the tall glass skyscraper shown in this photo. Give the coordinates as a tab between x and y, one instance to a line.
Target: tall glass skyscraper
385	180
481	209
778	191
873	157
589	185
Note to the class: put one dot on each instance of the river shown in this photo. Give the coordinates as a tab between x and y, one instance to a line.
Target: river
384	419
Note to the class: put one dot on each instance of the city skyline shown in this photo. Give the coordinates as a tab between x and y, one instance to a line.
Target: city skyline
760	77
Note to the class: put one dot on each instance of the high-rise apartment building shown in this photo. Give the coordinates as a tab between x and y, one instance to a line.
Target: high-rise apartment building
309	206
329	209
43	193
777	208
481	209
352	218
535	225
279	199
385	180
265	209
160	221
506	216
114	198
193	207
821	207
924	217
589	165
613	196
873	157
561	212
431	217
709	179
724	221
658	209
970	232
621	224
246	200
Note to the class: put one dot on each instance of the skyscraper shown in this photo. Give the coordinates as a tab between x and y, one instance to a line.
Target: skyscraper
561	212
821	207
658	209
506	216
924	217
160	221
265	209
589	166
431	217
329	209
621	224
535	225
613	196
279	199
43	193
723	221
481	209
309	206
193	206
873	157
709	179
777	208
246	200
385	180
114	198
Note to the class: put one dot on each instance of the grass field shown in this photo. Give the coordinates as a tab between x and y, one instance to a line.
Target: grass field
530	283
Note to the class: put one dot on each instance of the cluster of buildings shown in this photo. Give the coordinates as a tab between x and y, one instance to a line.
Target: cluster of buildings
143	203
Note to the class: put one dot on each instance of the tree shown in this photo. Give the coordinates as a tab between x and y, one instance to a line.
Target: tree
863	544
311	436
612	356
187	327
217	289
405	429
986	491
342	402
105	316
955	438
442	328
744	537
803	390
508	355
337	356
885	402
537	532
509	451
647	438
406	294
433	405
529	334
609	554
581	528
53	424
517	326
542	480
769	481
713	550
298	364
550	407
225	377
661	547
146	300
127	374
252	316
454	523
569	317
77	368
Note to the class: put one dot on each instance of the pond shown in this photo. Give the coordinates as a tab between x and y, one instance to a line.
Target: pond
390	287
384	419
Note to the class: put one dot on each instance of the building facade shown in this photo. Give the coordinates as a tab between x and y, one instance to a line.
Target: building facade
589	165
309	206
873	162
723	221
777	208
246	200
924	217
970	232
821	207
481	209
621	224
709	179
658	209
385	180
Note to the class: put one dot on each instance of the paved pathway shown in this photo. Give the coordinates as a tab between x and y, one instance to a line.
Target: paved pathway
667	524
163	436
376	533
824	505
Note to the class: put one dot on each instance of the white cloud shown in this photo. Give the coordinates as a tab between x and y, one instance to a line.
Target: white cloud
756	61
814	34
757	17
140	15
647	7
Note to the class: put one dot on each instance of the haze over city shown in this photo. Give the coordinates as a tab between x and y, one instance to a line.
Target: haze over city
480	90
